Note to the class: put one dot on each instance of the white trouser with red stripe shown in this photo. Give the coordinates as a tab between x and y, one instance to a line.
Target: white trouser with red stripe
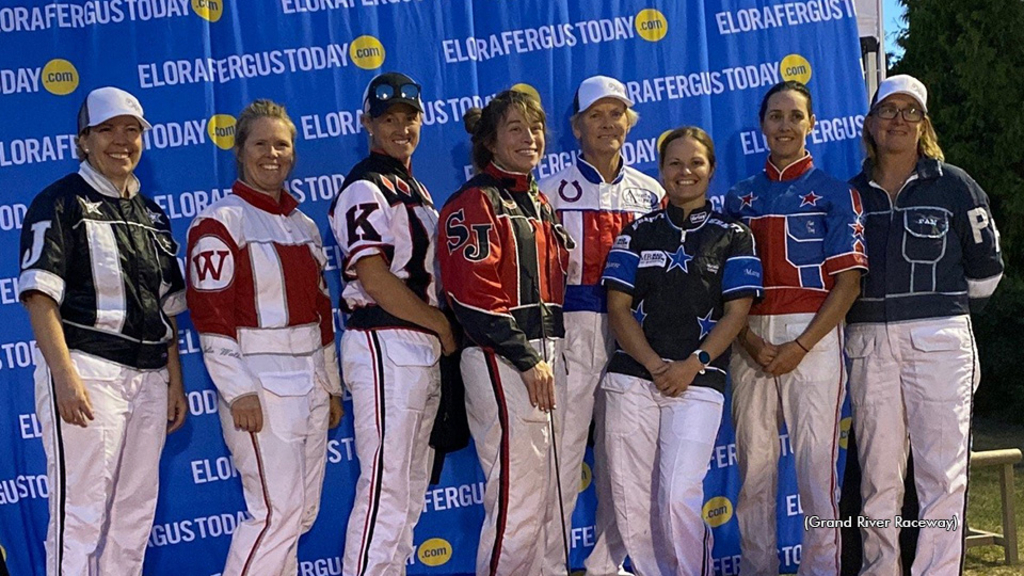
395	381
588	344
808	400
658	453
102	478
913	381
282	471
514	444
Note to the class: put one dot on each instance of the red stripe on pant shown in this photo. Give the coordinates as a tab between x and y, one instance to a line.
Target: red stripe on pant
835	446
266	502
503	474
377	470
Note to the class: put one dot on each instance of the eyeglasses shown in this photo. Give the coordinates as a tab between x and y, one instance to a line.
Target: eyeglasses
910	114
387	91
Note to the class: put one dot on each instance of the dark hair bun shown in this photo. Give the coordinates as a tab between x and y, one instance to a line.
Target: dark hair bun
471	119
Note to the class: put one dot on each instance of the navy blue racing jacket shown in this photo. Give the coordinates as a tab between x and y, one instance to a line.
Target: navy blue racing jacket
934	252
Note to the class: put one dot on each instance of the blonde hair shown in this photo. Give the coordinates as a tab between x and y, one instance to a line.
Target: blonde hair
927	144
261	108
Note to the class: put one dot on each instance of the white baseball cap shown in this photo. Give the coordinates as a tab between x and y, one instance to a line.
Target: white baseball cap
902	84
105	103
596	87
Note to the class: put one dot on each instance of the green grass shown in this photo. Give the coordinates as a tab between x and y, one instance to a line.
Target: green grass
984	509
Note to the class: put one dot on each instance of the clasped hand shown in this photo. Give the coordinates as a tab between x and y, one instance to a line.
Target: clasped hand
673	378
775	360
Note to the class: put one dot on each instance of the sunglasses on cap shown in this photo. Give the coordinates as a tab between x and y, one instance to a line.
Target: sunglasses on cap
385	92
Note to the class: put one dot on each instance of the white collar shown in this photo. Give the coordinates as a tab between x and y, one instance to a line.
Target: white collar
103	185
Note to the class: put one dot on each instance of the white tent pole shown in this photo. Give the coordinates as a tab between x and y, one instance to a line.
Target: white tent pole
881	54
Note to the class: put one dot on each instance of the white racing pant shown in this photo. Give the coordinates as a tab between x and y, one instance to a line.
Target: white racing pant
914	381
658	453
588	345
809	400
395	380
281	467
514	445
103	478
609	552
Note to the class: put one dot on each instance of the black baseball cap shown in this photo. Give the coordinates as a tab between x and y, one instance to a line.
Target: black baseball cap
388	89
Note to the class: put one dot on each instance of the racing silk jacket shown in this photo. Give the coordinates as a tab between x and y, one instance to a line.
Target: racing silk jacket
808	227
109	263
934	251
503	262
258	297
382	210
594	212
680	272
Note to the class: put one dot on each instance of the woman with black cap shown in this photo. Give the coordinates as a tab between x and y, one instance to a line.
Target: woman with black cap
102	286
504	262
935	258
385	224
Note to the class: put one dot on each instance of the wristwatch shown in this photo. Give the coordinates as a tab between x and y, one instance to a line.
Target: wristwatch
702	357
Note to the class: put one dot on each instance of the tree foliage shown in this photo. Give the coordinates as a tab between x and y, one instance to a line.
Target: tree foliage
970	55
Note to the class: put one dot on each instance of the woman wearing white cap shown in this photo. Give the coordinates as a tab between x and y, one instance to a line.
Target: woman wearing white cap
594	199
935	258
102	286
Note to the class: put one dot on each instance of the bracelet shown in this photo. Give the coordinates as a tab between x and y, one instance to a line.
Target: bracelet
802	347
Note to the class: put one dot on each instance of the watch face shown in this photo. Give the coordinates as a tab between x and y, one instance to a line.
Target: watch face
704	357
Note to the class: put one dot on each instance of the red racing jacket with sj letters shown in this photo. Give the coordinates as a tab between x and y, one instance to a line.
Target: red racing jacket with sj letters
257	294
504	258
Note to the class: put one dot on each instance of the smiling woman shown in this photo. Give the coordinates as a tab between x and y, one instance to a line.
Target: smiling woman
935	259
265	154
680	283
386	225
104	322
114	148
396	131
519	142
594	198
504	272
789	365
260	303
687	165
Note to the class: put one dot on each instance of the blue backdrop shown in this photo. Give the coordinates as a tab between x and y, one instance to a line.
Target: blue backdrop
196	63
